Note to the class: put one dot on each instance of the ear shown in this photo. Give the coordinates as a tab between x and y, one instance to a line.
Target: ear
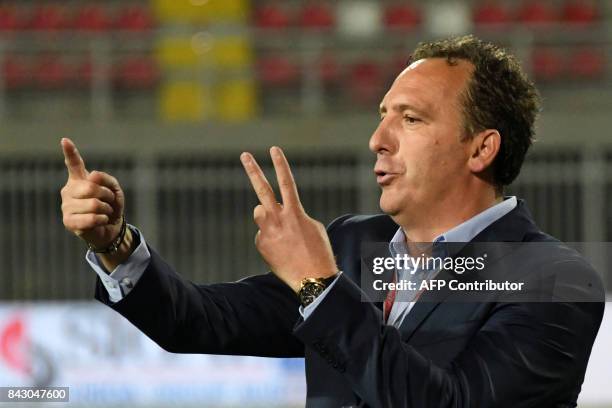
484	147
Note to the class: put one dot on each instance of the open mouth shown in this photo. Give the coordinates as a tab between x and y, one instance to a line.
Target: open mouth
383	178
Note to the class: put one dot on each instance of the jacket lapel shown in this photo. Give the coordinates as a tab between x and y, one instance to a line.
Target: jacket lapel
512	227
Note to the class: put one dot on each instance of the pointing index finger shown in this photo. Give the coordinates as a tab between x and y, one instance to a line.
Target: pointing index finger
286	183
73	160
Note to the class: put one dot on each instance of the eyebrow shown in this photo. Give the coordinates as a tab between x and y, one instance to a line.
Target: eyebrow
401	107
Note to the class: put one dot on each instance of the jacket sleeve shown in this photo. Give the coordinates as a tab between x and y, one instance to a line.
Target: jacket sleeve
524	355
254	316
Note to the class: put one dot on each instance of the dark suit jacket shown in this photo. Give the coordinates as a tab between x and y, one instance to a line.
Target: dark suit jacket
444	354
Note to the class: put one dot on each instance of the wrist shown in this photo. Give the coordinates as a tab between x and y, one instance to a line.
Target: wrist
123	252
311	288
112	246
296	284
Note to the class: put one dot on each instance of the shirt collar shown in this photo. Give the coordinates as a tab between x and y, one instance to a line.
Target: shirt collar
465	231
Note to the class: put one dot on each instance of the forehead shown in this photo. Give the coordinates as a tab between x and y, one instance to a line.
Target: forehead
430	81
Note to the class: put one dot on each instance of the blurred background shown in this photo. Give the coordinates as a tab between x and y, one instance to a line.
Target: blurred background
165	95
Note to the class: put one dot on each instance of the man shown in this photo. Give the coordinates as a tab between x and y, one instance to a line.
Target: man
455	127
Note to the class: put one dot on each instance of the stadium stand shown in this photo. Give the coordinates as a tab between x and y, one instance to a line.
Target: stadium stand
141	46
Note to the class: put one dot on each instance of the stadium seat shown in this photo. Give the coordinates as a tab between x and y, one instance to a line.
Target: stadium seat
401	17
491	14
395	66
316	16
547	64
536	13
9	19
83	74
587	63
50	72
15	73
277	71
329	70
134	18
48	17
231	51
176	52
236	100
271	16
91	18
365	81
579	12
185	101
228	10
137	73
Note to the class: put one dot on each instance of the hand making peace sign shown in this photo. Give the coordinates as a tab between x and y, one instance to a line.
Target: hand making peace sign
294	245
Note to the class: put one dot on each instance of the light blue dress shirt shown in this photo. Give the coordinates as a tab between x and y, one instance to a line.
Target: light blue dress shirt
122	280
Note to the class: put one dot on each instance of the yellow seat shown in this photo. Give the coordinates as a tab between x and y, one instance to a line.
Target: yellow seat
176	52
174	11
236	100
186	101
232	52
201	11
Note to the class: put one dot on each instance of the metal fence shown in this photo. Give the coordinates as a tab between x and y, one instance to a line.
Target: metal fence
196	210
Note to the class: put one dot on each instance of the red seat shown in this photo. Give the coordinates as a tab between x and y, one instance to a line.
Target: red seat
137	73
365	85
277	71
491	13
579	12
587	63
547	64
48	17
91	18
401	17
396	65
316	15
50	72
271	16
84	73
135	18
535	13
9	19
15	73
329	70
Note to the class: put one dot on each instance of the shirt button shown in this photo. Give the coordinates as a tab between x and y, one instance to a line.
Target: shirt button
127	282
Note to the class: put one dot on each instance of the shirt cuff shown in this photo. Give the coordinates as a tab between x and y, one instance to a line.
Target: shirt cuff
306	311
126	275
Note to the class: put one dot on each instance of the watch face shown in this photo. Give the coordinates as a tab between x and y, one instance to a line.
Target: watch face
310	291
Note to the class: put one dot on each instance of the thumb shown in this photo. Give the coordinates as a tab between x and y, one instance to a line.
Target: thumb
73	160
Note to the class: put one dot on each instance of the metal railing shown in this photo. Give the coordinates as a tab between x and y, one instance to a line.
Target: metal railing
196	210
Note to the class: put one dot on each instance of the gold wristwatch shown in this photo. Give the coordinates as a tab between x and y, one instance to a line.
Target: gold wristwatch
311	288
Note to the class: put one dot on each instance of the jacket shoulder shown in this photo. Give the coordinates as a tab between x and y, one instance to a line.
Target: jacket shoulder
354	223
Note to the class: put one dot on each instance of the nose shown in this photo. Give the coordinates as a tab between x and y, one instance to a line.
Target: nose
381	140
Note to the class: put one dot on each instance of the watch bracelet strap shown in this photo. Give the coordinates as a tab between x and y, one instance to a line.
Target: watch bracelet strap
325	282
115	244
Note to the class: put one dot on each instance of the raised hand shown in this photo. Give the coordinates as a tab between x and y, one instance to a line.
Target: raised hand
294	245
92	203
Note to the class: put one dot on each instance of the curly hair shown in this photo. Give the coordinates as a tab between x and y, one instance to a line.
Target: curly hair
498	96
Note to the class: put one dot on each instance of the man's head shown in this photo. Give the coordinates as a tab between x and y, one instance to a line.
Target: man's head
458	120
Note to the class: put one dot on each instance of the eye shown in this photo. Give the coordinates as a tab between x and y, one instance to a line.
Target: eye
411	119
382	117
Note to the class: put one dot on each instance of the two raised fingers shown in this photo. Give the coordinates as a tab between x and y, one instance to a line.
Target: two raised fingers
262	187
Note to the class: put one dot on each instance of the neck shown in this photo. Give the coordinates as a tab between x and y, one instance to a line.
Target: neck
434	220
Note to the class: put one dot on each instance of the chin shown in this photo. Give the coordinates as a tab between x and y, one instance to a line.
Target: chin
389	206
